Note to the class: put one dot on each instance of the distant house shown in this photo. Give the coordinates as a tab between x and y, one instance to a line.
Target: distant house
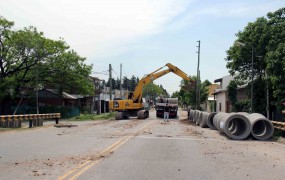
220	94
210	103
51	97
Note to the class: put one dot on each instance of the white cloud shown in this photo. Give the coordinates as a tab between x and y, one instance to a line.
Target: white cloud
240	9
225	9
94	27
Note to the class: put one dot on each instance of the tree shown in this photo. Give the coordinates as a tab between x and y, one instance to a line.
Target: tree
164	91
276	55
66	72
232	92
266	38
240	57
126	83
188	96
27	58
133	83
152	90
20	51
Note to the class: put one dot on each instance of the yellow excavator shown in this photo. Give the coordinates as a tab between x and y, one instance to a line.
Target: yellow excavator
133	106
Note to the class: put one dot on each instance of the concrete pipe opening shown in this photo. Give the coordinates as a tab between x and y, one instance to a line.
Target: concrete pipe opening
237	126
210	120
262	128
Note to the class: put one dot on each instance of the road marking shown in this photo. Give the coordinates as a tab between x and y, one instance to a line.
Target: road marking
89	163
73	170
83	170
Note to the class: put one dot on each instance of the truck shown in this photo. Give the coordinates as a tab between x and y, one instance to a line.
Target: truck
171	102
133	106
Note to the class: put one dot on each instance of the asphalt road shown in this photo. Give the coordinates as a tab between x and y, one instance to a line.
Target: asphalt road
136	149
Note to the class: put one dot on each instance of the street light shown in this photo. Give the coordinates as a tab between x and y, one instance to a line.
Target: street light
252	51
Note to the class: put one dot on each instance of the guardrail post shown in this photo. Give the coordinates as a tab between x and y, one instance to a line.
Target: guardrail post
30	123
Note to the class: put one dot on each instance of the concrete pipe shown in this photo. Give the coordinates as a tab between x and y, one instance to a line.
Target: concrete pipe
197	118
261	127
193	115
235	125
167	100
216	120
170	100
210	120
190	114
204	119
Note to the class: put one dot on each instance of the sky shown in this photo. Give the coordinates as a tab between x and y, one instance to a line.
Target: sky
143	35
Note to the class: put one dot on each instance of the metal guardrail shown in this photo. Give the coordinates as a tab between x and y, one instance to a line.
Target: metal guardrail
36	119
279	125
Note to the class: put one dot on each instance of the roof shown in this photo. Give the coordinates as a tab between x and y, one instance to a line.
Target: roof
212	88
217	91
218	80
64	94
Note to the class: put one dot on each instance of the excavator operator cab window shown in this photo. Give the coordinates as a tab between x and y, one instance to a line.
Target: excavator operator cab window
116	104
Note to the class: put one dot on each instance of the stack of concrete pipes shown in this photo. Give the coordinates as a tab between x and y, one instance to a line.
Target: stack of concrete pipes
235	125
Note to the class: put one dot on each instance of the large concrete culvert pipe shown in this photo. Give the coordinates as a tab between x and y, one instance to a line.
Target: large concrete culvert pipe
261	127
167	100
191	114
210	120
235	125
198	117
194	115
216	120
204	119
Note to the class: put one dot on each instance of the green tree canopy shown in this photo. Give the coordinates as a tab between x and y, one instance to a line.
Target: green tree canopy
27	58
152	90
264	41
188	96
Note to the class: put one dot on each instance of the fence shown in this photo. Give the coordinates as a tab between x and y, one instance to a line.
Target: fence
14	121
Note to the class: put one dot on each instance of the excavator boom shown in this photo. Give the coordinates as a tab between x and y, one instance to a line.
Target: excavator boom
137	95
134	106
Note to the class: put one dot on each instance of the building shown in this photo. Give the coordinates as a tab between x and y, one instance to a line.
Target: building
220	94
210	103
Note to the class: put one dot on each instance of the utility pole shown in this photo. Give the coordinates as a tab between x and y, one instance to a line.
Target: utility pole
110	80
267	96
198	79
37	91
121	80
252	55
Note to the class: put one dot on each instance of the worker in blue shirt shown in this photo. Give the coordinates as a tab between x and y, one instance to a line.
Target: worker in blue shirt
166	113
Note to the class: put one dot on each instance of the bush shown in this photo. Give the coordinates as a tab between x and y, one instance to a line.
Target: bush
84	117
241	106
65	112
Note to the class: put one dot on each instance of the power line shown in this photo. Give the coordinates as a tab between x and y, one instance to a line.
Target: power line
115	73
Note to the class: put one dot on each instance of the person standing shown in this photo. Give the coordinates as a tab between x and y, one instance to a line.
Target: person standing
166	113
